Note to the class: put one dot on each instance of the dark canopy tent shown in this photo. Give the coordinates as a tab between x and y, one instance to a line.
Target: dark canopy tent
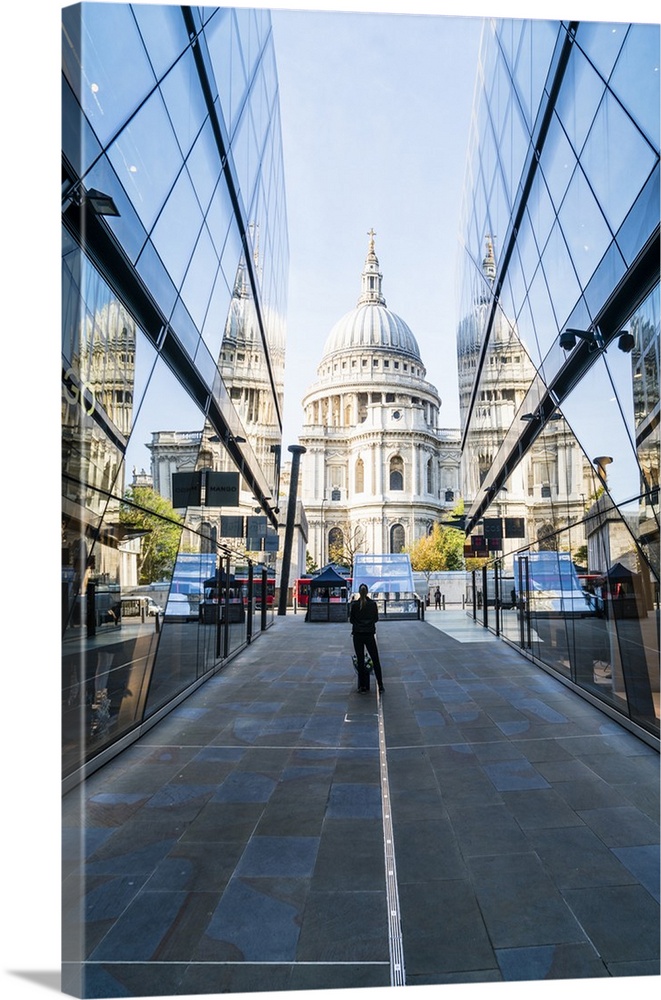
328	597
623	592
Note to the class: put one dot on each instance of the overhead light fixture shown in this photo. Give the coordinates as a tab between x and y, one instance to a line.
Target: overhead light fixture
592	337
539	416
100	203
626	342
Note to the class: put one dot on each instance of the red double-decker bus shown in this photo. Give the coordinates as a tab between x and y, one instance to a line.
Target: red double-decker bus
302	591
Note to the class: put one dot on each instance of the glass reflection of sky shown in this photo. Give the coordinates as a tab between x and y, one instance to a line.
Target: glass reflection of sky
166	406
593	412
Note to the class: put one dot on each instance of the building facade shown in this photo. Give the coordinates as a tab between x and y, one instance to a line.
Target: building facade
174	276
558	351
378	471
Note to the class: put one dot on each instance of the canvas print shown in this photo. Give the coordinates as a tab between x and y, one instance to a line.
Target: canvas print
360	500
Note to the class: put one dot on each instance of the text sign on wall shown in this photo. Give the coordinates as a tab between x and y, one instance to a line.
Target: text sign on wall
222	489
185	489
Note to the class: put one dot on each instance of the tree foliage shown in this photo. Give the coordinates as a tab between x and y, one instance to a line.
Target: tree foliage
145	510
441	550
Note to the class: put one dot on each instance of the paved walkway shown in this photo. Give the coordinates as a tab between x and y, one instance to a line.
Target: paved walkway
278	831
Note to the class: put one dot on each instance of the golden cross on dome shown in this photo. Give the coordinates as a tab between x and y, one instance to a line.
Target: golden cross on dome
371	235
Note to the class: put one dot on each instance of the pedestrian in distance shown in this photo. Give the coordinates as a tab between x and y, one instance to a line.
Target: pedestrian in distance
363	616
437	599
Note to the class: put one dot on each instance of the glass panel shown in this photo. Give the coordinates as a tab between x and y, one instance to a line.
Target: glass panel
641	220
635	79
126	227
563	287
204	166
594	623
164	32
152	270
108	643
584	227
79	144
596	419
540	210
184	328
558	162
178	227
185	102
97	38
214	323
616	160
146	157
579	98
602	43
200	277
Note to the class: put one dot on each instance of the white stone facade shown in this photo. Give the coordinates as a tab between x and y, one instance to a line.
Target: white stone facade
378	468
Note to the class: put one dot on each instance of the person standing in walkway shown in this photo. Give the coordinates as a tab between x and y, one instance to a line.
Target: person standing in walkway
437	599
363	616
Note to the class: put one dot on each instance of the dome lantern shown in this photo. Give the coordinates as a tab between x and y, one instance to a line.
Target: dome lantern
372	277
370	325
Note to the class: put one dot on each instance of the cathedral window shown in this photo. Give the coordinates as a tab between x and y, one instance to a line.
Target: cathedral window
360	476
396	473
430	476
336	545
397	538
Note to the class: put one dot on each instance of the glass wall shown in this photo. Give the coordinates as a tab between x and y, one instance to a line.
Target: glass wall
559	350
174	269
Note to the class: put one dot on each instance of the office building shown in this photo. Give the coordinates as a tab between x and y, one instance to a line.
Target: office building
558	353
174	274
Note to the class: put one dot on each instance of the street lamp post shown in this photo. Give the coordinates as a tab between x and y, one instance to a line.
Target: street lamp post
323	533
297	450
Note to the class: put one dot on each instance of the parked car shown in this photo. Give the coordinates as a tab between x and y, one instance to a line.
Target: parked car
135	605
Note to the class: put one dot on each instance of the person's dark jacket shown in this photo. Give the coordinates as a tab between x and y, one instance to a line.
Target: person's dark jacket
363	620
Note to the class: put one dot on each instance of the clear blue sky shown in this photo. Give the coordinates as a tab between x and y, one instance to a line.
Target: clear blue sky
375	113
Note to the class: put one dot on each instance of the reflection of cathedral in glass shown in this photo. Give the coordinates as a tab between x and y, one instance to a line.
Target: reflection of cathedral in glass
246	372
174	234
554	476
379	470
559	352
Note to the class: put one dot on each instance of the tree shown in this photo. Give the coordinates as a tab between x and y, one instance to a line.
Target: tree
310	565
343	552
154	517
441	550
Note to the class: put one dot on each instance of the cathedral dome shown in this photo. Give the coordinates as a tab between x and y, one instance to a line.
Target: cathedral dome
371	325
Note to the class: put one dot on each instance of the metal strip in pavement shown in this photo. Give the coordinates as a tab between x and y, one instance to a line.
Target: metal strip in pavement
397	975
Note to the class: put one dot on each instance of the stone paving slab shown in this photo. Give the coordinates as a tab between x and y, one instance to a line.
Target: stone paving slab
238	846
